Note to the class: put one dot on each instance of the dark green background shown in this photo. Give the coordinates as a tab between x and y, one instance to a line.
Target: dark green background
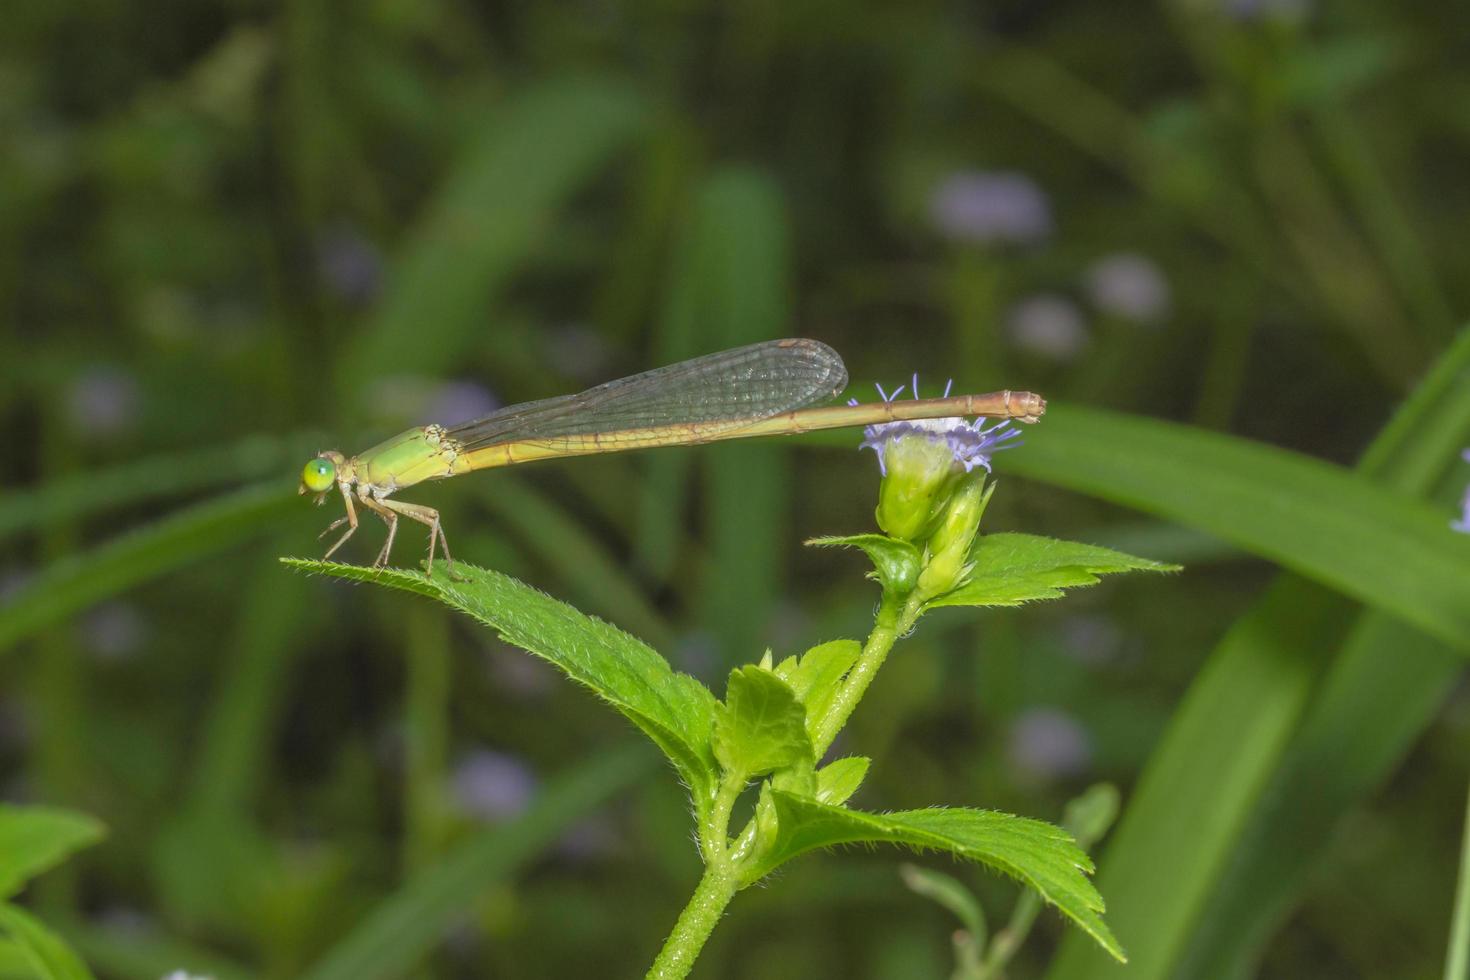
232	234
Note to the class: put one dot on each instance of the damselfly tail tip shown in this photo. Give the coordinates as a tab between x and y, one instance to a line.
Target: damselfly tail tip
1026	406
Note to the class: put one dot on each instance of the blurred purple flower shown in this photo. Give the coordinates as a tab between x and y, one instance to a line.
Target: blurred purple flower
696	653
492	785
970	443
990	208
102	402
1129	286
1249	11
124	920
13	582
588	839
351	266
15	723
460	401
1048	744
578	350
1047	324
113	631
1463	524
1090	639
524	676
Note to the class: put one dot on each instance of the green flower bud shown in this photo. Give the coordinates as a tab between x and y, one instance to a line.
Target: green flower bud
948	552
919	473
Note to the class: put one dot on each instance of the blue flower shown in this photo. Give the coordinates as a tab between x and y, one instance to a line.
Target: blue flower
970	443
1463	524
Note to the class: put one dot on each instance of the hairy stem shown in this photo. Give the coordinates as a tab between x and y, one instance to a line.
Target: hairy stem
695	923
895	618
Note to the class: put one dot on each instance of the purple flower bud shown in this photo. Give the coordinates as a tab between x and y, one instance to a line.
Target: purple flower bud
1128	286
1048	325
990	209
492	785
1048	744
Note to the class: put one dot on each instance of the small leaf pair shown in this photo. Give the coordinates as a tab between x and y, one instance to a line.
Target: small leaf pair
34	839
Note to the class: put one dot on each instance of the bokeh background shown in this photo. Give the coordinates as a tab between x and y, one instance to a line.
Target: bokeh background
234	233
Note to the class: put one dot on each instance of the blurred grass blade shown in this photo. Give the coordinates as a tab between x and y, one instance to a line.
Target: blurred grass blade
156	478
234	748
484	221
394	937
742	288
1457	960
1381	691
662	506
34	838
1183	826
1383	687
1384	549
137	556
729	286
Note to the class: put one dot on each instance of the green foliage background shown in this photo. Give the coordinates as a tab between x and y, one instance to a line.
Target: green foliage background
232	234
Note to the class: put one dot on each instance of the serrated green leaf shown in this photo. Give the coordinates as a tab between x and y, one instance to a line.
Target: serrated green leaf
895	563
34	839
816	677
1038	854
46	953
761	727
840	778
950	892
800	778
673	709
1014	568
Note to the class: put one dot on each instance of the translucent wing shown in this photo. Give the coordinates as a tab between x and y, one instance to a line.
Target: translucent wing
705	396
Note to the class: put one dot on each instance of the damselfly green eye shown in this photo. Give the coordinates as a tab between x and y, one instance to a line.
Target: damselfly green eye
319	475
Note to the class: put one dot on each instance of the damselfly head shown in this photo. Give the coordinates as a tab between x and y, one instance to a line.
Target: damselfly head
320	474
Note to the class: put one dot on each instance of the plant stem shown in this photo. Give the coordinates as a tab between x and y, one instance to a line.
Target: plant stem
715	834
894	619
695	923
1008	941
1457	960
